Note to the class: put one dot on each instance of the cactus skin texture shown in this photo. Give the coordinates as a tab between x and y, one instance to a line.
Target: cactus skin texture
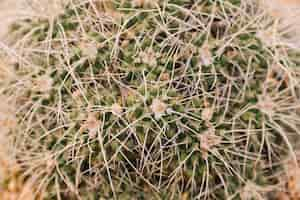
170	99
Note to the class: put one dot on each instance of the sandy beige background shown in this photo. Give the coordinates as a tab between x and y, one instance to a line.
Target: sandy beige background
9	10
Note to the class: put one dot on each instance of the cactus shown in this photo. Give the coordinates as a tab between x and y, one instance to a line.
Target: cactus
171	99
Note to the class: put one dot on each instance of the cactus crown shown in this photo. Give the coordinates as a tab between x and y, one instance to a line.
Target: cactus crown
172	99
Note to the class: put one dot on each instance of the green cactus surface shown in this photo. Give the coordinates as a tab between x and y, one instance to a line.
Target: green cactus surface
160	99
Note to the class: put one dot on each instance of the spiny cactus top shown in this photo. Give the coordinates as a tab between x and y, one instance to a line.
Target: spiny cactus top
170	99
